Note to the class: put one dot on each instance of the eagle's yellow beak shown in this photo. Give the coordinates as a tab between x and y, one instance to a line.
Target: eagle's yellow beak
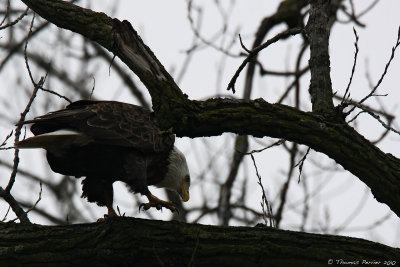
184	192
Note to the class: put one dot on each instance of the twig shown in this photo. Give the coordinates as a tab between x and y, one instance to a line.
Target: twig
243	46
277	143
7	12
263	71
346	95
355	18
266	213
217	35
43	213
5	215
55	93
372	93
12	23
18	133
375	116
23	115
13	49
352	16
25	49
37	201
22	216
92	91
256	50
6	139
301	163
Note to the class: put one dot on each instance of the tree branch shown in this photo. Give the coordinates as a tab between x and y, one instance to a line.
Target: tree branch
318	31
129	241
94	25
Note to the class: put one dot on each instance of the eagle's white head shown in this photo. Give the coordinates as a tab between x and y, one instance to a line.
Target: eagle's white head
177	178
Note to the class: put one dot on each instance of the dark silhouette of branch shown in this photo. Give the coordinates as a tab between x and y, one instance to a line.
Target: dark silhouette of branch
179	244
15	21
224	205
346	95
255	51
372	93
285	187
265	206
301	163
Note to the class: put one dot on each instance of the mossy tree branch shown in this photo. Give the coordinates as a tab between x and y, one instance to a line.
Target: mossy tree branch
129	241
327	134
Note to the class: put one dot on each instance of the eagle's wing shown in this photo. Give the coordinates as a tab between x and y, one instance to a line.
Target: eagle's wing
107	122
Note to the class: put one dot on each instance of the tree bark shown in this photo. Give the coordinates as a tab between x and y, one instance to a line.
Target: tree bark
138	242
318	31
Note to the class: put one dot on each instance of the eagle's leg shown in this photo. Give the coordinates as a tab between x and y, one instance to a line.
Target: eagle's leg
108	201
110	211
99	190
157	203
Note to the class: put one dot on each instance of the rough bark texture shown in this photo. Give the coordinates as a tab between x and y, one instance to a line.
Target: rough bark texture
93	25
137	242
318	31
327	134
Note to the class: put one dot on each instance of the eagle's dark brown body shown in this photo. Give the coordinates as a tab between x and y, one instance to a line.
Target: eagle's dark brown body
106	141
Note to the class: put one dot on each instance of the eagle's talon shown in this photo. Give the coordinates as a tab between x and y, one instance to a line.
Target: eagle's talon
101	219
144	206
157	203
110	215
106	218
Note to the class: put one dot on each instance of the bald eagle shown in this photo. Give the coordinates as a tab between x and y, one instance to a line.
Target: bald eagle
108	141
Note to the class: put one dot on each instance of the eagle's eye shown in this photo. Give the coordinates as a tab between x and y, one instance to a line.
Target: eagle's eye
187	179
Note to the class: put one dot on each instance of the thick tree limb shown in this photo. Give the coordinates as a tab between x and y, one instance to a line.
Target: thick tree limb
318	31
329	135
137	242
93	25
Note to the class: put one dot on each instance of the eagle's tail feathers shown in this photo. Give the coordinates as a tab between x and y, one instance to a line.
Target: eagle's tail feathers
60	138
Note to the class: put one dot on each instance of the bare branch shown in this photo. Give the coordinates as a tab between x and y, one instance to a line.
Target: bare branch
255	51
5	215
372	93
346	95
267	212
301	163
5	141
21	214
375	116
14	21
277	143
218	34
56	94
38	199
22	118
